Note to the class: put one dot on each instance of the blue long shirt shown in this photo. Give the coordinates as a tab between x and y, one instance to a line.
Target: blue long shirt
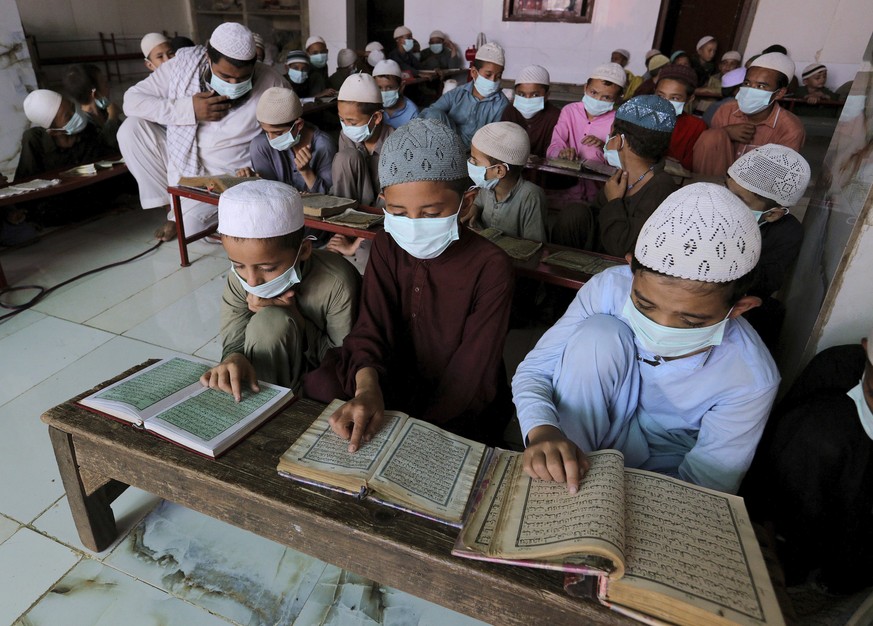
464	112
403	116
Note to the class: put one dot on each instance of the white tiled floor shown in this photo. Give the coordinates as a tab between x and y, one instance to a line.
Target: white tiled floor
171	565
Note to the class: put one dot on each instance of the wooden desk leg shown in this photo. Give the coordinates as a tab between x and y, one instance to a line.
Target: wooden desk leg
92	512
180	230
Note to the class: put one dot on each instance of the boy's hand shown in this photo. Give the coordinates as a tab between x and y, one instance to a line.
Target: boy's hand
245	172
209	106
285	300
616	186
302	158
230	375
551	456
470	219
591	140
567	153
360	418
741	133
813	98
344	245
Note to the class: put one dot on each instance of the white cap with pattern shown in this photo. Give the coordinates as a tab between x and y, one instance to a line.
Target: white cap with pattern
504	141
278	106
700	232
773	171
612	72
388	68
360	88
775	61
41	106
534	75
148	43
491	53
234	41
260	209
402	31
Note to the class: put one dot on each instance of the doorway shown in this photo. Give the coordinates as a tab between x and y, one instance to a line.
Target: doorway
681	24
383	16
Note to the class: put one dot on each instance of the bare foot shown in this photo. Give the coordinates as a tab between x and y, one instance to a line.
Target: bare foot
167	232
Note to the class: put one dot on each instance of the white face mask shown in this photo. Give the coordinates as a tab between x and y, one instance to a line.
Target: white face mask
425	237
390	98
679	107
665	341
751	100
484	86
276	287
477	175
231	90
864	413
612	156
358	134
596	107
528	107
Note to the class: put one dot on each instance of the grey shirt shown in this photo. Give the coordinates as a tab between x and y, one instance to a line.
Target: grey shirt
521	214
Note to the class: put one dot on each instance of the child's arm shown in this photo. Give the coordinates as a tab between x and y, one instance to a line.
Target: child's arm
549	455
532	217
323	153
560	136
148	100
361	417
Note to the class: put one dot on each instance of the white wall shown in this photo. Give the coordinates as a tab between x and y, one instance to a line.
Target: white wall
835	33
568	51
328	18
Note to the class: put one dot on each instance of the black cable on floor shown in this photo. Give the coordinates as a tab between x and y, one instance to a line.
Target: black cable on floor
42	292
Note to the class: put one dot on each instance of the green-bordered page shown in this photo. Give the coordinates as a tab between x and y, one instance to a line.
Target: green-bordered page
167	399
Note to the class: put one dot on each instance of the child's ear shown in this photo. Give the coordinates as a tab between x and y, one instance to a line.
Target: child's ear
746	303
378	116
305	250
467	200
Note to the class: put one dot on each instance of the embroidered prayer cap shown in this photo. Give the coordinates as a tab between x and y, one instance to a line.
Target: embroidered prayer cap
773	171
234	41
703	41
41	106
296	56
622	52
656	62
260	209
651	112
314	39
734	77
812	69
375	57
775	61
278	106
612	72
504	141
259	41
360	88
346	57
534	75
402	31
652	53
437	34
388	68
491	53
148	43
682	73
423	149
700	232
373	45
732	55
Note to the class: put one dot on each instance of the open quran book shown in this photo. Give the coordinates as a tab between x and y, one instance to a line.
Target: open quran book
167	399
664	550
325	205
520	249
411	465
214	184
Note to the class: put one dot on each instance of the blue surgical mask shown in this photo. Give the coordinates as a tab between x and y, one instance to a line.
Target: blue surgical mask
408	45
425	237
484	86
596	107
751	100
864	413
612	156
390	98
358	134
77	123
231	90
477	175
102	102
665	341
528	107
285	141
276	287
318	60
297	76
436	48
679	107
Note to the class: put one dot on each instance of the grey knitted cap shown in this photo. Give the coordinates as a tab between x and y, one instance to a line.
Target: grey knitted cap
423	149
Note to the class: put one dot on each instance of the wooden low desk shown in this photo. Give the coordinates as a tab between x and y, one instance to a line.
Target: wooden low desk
98	458
537	164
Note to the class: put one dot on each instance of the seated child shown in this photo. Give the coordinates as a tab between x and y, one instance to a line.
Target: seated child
306	83
703	62
290	150
770	180
316	50
441	53
676	86
812	478
636	145
654	359
813	90
505	201
285	305
476	103
402	53
622	56
398	108
531	108
654	65
88	88
156	49
434	307
730	61
356	166
346	65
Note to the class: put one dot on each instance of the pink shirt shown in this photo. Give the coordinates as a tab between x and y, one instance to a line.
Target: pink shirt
574	126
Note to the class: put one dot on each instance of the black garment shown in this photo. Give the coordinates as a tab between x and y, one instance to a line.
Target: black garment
703	69
442	61
39	153
813	475
405	60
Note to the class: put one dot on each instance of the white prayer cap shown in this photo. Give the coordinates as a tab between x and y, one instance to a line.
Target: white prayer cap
402	31
734	78
360	88
346	57
41	107
148	43
373	45
612	72
775	61
437	34
375	57
534	74
234	41
622	52
652	53
278	106
732	55
701	232
491	53
260	209
314	39
773	171
387	68
704	40
504	141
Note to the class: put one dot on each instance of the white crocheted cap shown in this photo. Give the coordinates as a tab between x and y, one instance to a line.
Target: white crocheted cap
234	41
612	72
535	75
278	106
360	88
703	41
388	68
260	209
313	39
775	61
700	232
41	107
148	43
402	31
503	141
491	53
773	171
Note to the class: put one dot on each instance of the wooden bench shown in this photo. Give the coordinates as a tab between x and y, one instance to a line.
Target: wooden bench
99	458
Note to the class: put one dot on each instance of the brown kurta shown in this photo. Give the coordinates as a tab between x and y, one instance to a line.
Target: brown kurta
539	128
